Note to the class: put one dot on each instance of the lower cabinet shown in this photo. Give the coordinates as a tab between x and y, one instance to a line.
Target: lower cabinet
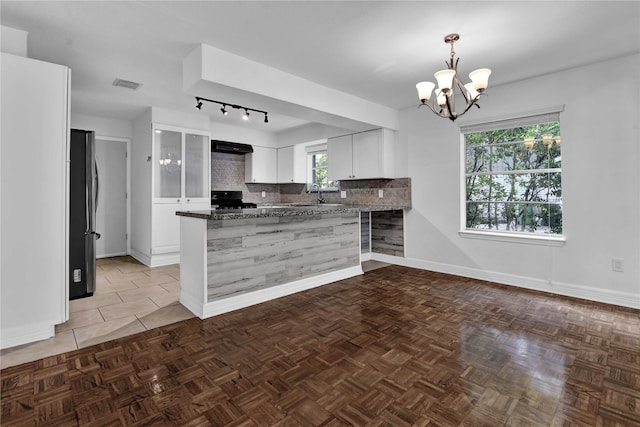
165	224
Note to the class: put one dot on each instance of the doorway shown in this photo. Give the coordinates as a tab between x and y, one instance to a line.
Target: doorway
112	207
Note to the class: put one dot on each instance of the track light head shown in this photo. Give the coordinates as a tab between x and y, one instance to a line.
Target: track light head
224	110
245	116
266	119
199	104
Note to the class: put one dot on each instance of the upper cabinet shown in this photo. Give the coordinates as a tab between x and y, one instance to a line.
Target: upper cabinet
180	166
364	155
292	165
181	176
261	166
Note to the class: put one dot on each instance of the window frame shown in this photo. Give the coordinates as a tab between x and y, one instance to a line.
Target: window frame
547	115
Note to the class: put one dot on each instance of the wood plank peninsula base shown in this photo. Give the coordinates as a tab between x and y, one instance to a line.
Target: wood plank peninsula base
233	260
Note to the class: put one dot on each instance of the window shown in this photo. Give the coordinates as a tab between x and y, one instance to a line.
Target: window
317	159
513	176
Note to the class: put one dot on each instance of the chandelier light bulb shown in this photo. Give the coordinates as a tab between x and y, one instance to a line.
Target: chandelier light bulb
547	139
441	97
471	90
424	90
480	78
445	79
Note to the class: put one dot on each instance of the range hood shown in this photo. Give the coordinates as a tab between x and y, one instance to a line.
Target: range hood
218	146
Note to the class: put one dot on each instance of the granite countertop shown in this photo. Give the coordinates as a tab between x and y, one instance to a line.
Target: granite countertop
279	210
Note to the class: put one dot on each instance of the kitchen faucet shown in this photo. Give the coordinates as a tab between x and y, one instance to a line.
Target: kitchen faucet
317	187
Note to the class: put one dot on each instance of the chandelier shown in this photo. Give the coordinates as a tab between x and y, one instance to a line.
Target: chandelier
445	103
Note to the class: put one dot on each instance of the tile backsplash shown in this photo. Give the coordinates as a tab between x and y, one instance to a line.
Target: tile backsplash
228	173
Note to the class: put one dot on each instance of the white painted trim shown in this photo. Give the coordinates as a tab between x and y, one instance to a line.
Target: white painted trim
26	334
111	255
143	258
156	260
527	239
256	297
365	256
624	299
192	304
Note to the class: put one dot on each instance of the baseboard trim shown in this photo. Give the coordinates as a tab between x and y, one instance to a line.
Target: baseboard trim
111	255
156	260
226	305
623	299
26	334
192	304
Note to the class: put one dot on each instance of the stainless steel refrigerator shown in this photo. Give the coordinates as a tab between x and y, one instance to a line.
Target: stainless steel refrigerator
83	198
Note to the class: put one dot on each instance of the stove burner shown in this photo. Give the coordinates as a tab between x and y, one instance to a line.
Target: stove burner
227	200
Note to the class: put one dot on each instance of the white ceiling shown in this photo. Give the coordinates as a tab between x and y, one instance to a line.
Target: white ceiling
374	50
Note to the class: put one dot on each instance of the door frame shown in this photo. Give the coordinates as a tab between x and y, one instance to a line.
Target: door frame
128	169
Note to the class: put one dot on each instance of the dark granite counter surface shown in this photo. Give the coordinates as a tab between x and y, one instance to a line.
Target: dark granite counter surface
279	210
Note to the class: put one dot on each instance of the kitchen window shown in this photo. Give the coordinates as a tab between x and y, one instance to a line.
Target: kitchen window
317	162
512	178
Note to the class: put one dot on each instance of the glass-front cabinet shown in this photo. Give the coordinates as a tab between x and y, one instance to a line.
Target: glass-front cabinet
181	166
181	181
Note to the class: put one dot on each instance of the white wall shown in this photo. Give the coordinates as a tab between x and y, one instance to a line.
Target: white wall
102	126
225	132
307	133
600	179
13	41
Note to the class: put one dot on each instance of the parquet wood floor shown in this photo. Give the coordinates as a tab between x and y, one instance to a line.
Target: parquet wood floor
394	347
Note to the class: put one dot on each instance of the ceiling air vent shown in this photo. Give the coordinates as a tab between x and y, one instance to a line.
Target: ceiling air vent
126	84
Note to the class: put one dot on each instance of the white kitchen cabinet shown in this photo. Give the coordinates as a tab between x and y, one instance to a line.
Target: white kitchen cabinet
261	166
34	212
181	181
171	171
363	155
292	165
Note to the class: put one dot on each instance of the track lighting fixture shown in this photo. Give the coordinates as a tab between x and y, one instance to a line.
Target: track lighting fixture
224	111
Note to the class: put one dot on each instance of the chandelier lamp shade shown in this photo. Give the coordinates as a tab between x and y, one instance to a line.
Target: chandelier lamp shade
225	112
444	103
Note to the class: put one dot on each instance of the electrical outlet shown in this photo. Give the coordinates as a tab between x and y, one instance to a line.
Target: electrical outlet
264	194
380	194
77	275
617	264
343	194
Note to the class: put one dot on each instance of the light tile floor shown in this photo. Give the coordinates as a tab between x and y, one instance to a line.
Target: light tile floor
129	298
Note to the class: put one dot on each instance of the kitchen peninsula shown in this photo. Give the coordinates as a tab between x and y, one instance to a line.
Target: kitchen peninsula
234	259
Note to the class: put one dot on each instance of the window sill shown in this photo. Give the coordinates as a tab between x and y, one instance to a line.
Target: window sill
542	240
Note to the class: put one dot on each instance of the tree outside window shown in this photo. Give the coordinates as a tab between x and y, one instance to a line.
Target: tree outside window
318	169
513	179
